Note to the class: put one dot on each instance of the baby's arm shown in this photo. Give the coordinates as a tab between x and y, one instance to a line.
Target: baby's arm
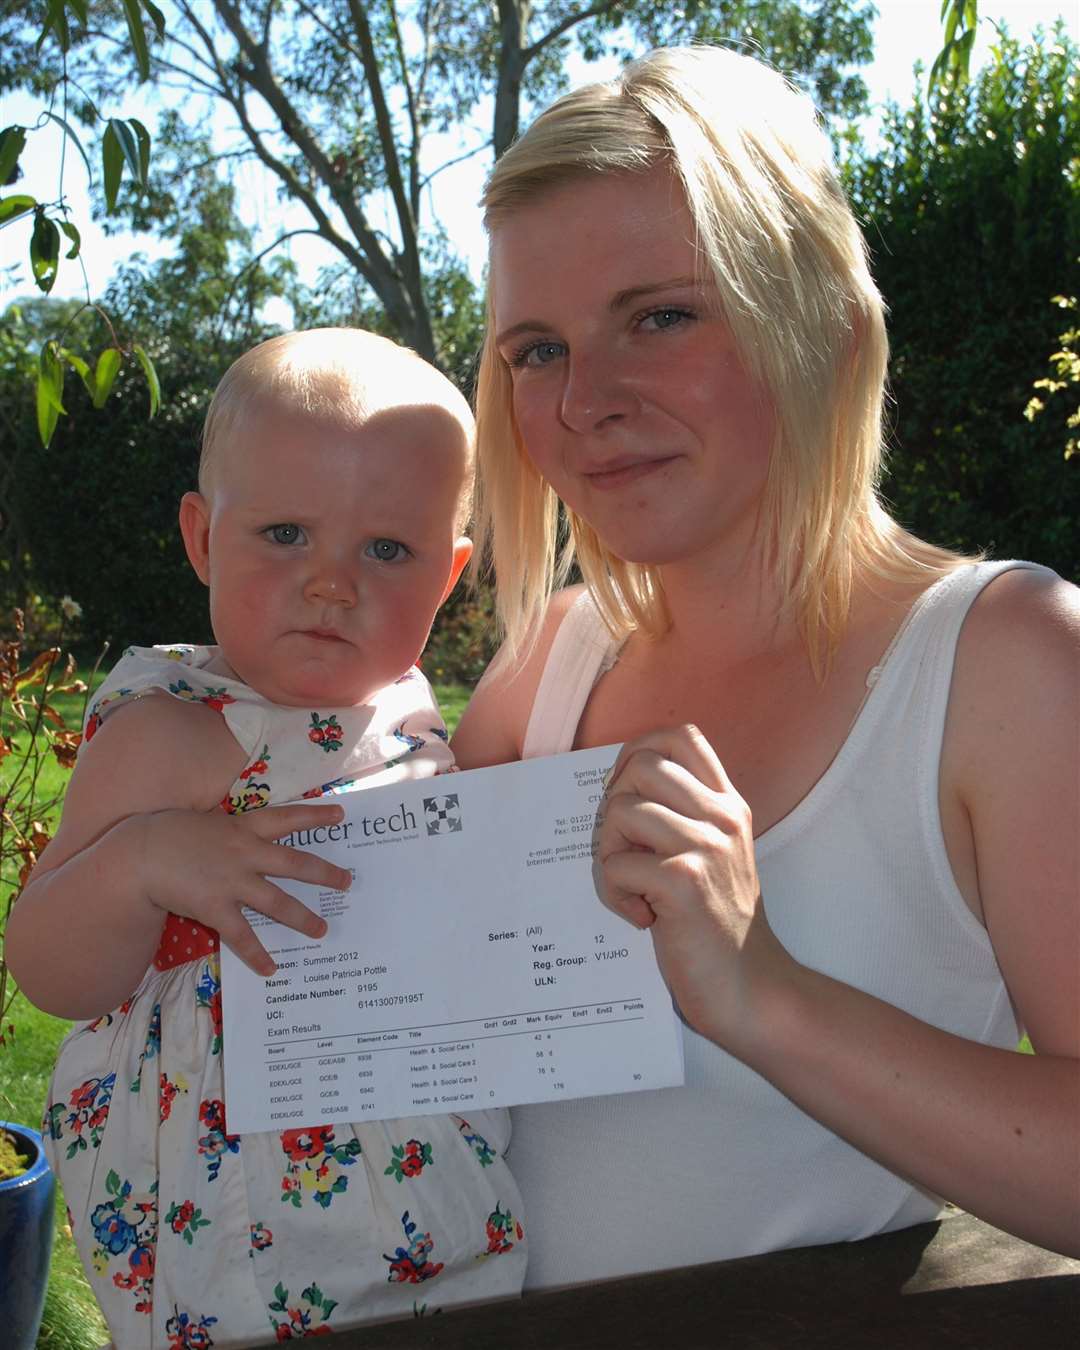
142	834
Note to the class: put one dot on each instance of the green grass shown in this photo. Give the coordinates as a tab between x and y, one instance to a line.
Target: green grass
71	1320
452	700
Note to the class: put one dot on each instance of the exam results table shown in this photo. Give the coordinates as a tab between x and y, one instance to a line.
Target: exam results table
953	1283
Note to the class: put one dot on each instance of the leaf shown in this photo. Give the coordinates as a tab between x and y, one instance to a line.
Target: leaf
10	207
82	12
44	251
128	144
962	54
50	715
70	134
108	364
12	142
55	21
38	668
80	367
955	14
49	367
73	234
66	757
152	382
76	687
142	137
156	16
112	163
137	33
50	383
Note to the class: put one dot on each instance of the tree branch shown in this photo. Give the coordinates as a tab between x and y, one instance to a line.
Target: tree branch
414	122
560	28
458	159
406	219
250	266
370	259
332	33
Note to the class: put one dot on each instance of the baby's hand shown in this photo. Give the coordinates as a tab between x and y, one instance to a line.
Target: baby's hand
208	866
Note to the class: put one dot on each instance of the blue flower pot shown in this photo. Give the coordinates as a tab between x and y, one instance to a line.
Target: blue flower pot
26	1229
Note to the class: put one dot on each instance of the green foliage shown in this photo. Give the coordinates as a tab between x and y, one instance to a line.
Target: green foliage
123	144
954	60
462	639
972	213
1063	379
100	507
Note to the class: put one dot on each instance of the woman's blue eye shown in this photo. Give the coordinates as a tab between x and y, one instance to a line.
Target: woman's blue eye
537	354
285	534
667	318
387	550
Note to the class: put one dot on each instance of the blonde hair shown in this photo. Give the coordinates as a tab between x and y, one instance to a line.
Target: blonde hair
339	376
790	266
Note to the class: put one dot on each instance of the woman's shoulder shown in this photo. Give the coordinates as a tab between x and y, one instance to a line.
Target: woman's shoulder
1014	704
1022	619
492	728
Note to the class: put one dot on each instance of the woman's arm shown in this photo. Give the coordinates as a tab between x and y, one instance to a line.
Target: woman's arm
995	1131
141	835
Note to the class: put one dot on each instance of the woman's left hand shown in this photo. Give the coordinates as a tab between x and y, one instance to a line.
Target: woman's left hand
675	853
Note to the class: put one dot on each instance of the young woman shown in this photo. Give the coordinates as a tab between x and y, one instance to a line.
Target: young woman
849	798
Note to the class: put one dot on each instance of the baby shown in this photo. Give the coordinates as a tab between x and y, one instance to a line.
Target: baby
333	491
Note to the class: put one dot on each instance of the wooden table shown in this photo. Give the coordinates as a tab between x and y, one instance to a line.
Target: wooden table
956	1283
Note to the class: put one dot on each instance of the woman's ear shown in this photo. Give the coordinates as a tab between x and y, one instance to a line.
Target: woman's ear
462	554
195	527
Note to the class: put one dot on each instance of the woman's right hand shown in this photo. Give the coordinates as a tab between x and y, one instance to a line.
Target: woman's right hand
675	854
209	866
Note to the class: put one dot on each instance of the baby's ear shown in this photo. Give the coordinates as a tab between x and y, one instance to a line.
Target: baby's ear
462	554
195	527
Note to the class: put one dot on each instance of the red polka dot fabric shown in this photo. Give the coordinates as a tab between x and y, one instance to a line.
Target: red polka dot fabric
184	940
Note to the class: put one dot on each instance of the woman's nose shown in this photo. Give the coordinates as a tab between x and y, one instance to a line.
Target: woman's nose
594	394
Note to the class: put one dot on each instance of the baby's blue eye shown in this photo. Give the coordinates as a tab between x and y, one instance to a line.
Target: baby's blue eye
387	550
285	534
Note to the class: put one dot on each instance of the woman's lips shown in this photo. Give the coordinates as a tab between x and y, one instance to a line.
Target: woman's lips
619	474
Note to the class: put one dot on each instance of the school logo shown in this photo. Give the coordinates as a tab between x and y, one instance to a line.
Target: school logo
442	814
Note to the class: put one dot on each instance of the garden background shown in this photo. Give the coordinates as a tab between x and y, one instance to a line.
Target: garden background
969	197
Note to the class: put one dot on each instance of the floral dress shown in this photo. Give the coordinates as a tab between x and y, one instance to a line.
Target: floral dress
194	1237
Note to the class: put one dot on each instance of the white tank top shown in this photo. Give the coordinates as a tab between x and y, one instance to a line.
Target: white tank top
857	884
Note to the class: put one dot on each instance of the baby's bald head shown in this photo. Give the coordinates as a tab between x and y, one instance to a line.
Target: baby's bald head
339	377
